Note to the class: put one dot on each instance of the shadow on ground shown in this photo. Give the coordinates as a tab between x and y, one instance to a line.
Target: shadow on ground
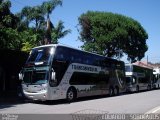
7	101
10	99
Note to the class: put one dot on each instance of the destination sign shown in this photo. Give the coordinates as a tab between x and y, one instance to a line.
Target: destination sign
84	68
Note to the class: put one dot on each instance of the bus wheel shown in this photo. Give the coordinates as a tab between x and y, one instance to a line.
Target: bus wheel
137	89
111	91
71	95
116	91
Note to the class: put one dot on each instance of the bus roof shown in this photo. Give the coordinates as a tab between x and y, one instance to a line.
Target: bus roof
61	45
132	64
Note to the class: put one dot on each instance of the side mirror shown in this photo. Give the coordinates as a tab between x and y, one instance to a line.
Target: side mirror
53	81
20	76
53	76
134	80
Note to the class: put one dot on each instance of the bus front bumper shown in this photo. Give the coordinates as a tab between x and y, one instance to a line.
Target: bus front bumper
130	89
42	95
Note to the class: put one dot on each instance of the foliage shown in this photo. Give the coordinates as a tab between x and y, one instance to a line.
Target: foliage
49	6
7	19
27	28
9	39
59	32
30	39
12	39
32	15
112	35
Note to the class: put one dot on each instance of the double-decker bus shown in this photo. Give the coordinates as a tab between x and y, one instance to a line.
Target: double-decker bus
138	78
55	72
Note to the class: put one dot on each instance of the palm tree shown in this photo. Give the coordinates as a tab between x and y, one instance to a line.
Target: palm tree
37	15
33	15
7	18
26	15
59	32
48	7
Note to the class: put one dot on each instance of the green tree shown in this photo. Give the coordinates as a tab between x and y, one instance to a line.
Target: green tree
25	15
112	35
30	38
9	37
48	7
27	28
32	15
59	32
36	14
7	19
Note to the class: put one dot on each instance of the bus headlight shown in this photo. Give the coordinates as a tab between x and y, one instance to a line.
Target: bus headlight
44	87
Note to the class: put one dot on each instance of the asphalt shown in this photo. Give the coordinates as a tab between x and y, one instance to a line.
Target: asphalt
14	98
155	110
11	97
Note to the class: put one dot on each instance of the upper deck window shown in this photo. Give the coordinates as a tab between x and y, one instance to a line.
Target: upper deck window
128	68
40	55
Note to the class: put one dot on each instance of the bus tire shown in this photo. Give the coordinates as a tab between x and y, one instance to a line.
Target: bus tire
137	89
71	94
116	91
111	91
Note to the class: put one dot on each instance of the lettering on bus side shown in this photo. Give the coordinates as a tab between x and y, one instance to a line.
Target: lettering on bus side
141	74
84	68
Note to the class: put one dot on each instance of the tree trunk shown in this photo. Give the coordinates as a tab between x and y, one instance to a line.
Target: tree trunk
48	31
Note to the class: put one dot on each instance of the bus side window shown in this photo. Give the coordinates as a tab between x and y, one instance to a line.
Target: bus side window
62	54
71	56
96	60
75	56
59	54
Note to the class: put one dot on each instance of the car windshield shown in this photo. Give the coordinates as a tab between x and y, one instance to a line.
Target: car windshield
35	77
40	55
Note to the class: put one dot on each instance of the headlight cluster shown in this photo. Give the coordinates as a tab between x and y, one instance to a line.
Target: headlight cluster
43	87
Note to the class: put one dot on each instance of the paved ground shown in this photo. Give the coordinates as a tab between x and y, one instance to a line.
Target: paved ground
94	107
130	103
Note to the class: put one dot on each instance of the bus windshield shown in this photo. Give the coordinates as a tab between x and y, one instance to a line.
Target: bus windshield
128	80
128	68
40	55
35	77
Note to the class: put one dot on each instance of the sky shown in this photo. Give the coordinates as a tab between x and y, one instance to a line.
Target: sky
146	12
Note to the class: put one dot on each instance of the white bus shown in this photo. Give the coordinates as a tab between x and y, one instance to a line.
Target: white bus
138	78
55	72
